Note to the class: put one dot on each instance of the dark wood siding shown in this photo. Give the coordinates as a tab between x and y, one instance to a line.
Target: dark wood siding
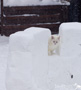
19	18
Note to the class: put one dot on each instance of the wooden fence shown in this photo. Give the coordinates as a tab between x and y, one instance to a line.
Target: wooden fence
18	18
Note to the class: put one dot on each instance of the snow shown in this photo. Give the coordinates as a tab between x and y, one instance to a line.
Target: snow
33	2
4	43
60	68
72	33
28	59
23	15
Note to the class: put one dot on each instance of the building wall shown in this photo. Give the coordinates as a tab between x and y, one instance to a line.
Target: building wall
0	6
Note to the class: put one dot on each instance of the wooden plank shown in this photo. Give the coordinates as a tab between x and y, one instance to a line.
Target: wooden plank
7	30
0	29
1	16
49	9
15	20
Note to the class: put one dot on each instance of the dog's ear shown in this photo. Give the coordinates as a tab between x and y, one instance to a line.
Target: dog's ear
52	37
59	38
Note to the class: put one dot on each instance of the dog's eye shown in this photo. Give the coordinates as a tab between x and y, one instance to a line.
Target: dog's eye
53	41
56	42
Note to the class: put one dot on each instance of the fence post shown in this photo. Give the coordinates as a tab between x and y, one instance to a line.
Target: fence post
1	17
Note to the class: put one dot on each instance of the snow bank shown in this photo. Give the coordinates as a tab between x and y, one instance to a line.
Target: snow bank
3	60
28	62
71	39
64	70
67	87
33	2
60	69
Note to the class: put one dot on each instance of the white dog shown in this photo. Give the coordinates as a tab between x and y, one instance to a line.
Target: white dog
54	45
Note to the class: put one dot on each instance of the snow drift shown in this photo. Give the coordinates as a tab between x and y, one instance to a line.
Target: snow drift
28	62
71	39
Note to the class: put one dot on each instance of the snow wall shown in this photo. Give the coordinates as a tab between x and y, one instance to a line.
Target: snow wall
28	63
24	56
65	69
71	39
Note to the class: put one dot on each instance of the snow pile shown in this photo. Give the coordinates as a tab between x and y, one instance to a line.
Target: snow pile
31	71
71	39
28	62
33	2
67	87
3	60
64	70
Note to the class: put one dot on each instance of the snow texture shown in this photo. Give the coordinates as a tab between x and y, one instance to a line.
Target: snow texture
64	72
34	2
28	62
71	39
4	43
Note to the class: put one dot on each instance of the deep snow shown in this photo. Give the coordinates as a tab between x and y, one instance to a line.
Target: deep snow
28	59
3	60
63	71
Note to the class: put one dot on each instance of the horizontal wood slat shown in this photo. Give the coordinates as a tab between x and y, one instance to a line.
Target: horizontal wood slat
32	10
7	30
31	19
0	29
18	18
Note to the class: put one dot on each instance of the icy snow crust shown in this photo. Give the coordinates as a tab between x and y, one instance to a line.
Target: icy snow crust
60	68
33	2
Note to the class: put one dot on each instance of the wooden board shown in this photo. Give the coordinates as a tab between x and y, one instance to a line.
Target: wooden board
9	29
21	17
